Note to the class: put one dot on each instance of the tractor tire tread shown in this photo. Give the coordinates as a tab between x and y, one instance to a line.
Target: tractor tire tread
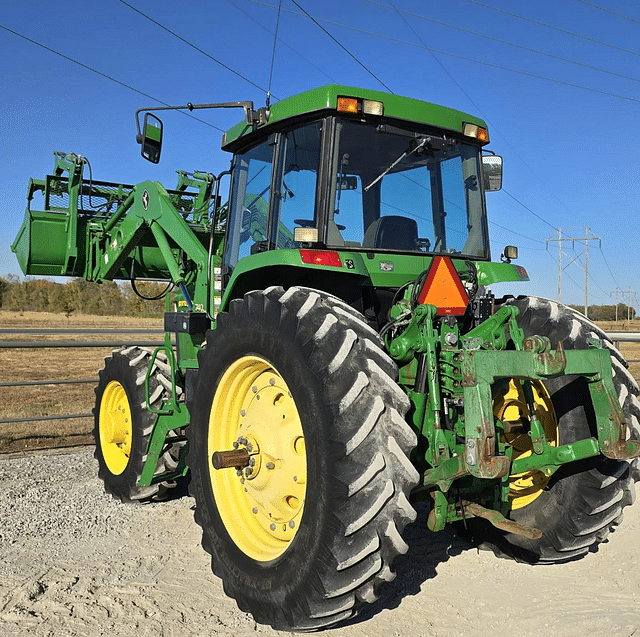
137	359
605	486
371	443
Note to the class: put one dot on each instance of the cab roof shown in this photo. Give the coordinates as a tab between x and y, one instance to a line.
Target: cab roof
325	98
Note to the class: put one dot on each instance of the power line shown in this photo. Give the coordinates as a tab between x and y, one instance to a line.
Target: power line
550	26
524	236
273	55
341	46
608	268
529	209
435	57
309	62
108	77
453	55
507	42
618	15
193	46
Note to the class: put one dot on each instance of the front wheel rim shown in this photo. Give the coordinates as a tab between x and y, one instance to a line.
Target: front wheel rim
261	504
115	427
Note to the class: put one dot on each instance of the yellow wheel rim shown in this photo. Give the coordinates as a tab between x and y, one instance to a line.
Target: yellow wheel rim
510	406
260	505
114	425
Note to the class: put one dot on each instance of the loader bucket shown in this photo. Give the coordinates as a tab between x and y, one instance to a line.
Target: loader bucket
41	243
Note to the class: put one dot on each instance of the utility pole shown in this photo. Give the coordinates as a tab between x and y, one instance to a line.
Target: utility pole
626	298
586	240
559	265
616	292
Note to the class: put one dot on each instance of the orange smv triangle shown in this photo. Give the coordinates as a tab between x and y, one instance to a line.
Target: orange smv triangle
444	289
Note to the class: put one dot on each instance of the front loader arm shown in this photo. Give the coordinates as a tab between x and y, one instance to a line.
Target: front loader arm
104	231
147	210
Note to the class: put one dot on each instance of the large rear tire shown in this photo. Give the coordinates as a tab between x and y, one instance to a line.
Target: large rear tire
582	501
123	425
309	529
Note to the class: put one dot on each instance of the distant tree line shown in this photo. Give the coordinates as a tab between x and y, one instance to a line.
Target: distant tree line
80	296
607	312
113	299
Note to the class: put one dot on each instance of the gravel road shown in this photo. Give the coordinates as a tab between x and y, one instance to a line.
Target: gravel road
74	562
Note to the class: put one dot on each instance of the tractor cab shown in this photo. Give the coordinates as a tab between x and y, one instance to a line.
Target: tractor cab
349	175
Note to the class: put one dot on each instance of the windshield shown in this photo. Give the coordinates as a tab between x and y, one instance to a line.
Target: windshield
382	189
397	190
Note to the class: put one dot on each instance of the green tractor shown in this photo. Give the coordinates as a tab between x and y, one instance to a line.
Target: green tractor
333	353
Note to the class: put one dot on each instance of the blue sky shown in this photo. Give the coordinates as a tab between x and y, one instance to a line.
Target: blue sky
558	82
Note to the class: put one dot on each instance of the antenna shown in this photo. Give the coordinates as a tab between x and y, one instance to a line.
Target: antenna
273	55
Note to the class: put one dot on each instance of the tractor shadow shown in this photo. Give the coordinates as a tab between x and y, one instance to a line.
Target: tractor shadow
426	552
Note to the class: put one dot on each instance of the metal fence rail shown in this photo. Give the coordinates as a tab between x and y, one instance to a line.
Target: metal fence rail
69	330
616	337
54	344
625	337
68	344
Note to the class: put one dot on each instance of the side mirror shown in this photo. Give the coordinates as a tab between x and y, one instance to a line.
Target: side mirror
492	172
151	138
510	252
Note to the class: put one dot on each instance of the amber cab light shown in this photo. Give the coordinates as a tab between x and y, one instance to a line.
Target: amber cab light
473	130
321	257
347	104
354	105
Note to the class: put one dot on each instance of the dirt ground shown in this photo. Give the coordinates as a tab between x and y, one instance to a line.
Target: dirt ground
75	563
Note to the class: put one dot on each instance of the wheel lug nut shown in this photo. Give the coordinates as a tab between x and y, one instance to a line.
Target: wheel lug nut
272	527
270	465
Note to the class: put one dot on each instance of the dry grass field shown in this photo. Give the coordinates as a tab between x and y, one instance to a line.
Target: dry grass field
18	365
83	363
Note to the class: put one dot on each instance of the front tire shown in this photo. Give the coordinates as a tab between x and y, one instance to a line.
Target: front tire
123	425
583	500
308	531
